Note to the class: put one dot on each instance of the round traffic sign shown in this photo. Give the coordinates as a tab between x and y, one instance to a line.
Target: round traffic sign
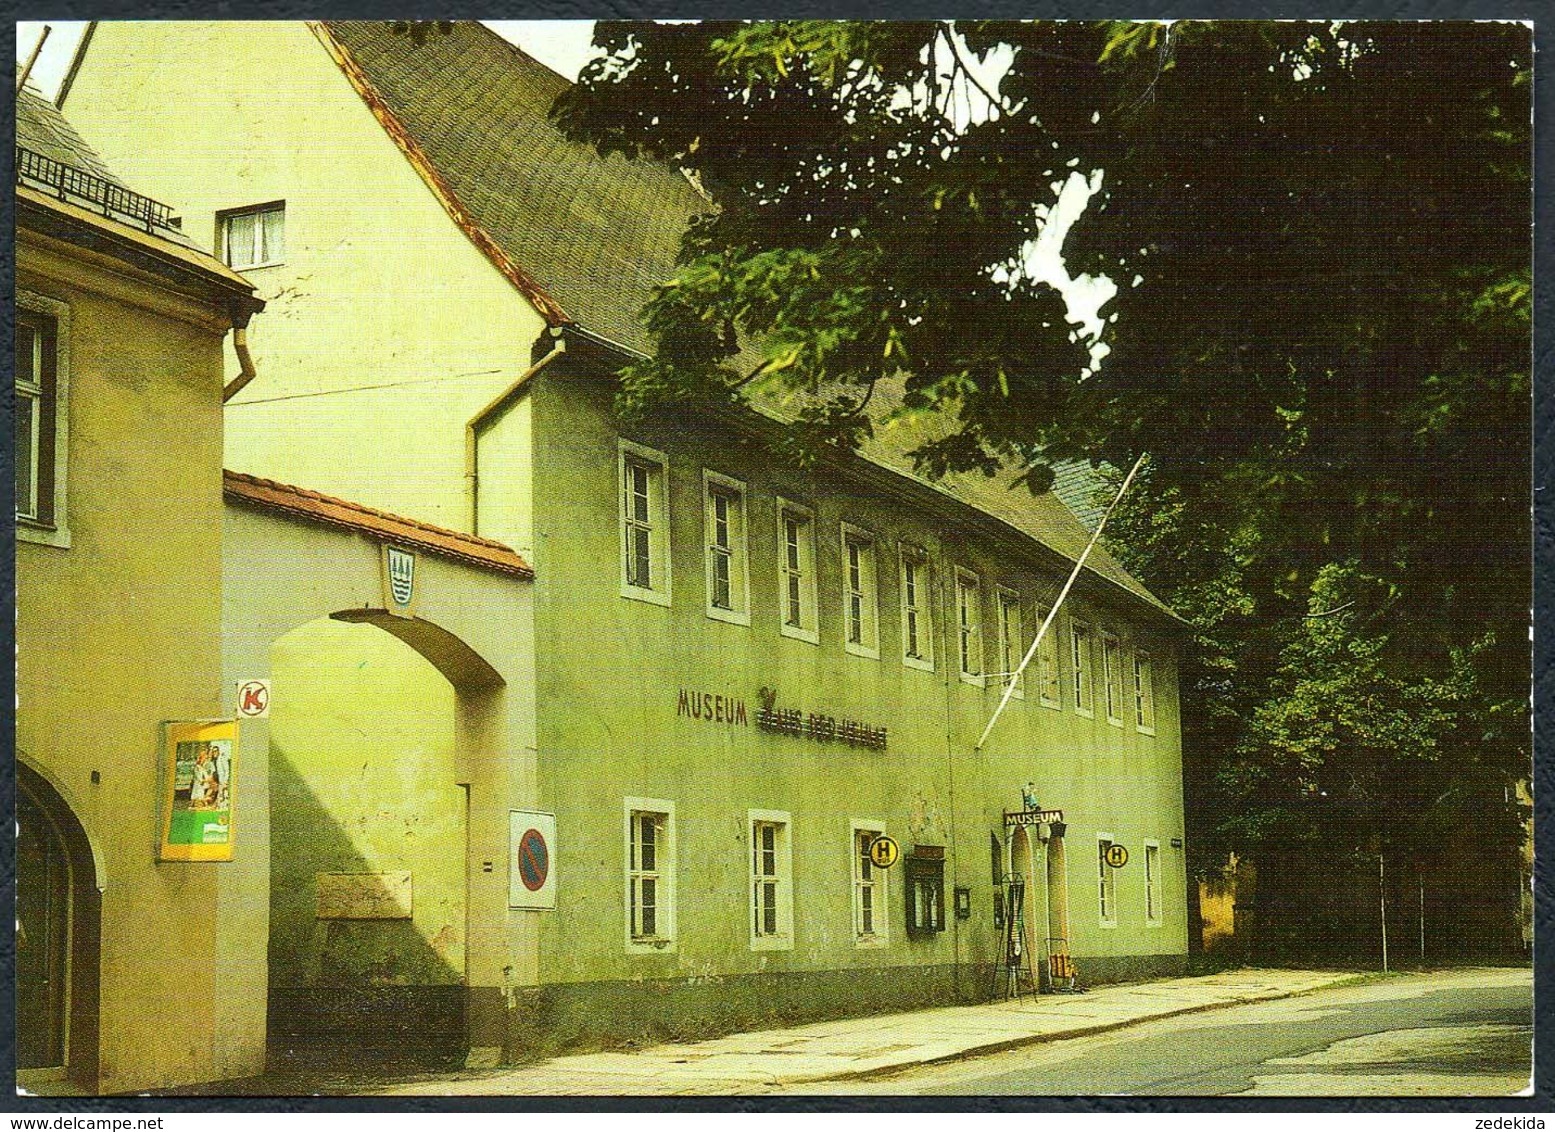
534	860
1117	856
254	699
883	852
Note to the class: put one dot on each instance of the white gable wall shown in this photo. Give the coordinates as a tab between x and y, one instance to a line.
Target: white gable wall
386	329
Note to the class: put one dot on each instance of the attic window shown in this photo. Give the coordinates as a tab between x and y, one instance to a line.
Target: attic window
253	237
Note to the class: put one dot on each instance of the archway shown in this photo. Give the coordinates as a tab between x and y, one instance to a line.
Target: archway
368	841
58	925
1024	856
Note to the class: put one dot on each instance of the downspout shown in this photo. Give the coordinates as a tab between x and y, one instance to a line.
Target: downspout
246	372
473	427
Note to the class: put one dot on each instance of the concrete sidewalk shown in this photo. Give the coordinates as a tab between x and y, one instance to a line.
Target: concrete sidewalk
859	1047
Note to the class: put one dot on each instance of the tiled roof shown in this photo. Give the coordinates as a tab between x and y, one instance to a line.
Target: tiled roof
311	506
596	234
1083	489
593	234
41	128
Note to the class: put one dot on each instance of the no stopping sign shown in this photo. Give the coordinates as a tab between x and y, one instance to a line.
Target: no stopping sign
531	859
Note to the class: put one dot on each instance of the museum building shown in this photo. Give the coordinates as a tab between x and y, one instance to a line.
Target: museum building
739	779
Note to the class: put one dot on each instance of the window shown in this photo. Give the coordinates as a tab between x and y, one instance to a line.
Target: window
771	886
1050	692
969	622
1011	642
1080	657
650	874
926	890
1152	882
1144	693
253	237
1107	890
917	625
860	612
645	567
796	572
870	921
727	561
41	418
1112	677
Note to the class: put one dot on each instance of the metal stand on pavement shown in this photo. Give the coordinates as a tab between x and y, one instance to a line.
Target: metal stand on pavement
1018	974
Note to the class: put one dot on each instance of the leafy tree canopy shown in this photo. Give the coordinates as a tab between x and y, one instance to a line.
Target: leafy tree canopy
1319	234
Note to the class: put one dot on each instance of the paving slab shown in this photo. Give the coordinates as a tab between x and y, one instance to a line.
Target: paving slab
865	1047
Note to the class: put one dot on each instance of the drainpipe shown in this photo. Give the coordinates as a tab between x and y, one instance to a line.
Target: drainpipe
241	313
473	427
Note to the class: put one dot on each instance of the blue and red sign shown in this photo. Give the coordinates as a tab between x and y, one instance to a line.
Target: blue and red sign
534	860
531	859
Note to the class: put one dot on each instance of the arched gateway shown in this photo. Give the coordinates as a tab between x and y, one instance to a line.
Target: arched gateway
376	789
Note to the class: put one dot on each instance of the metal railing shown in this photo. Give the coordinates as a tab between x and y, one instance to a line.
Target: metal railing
115	201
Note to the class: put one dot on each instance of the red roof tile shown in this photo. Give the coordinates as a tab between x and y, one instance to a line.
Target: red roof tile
311	506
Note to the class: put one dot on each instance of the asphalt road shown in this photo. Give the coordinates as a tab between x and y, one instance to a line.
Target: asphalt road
1447	1034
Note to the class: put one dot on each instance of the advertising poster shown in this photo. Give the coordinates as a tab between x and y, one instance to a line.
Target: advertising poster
198	791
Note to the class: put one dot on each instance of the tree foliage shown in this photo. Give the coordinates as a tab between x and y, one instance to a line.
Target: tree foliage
1319	233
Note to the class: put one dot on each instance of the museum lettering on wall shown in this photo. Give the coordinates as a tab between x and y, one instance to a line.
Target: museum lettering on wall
712	708
730	711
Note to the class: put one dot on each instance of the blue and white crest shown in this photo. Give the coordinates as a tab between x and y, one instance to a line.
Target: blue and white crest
402	575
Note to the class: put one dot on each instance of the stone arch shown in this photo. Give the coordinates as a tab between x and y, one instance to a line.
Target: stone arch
463	667
58	961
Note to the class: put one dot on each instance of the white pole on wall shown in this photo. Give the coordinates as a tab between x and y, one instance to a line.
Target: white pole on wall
1011	679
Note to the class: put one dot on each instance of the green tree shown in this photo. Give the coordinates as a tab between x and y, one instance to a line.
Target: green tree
1320	238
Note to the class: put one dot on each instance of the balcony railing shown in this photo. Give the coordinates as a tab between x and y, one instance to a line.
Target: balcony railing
71	184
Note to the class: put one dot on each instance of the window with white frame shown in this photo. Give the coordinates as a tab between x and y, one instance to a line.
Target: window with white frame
1107	885
796	572
917	622
871	920
728	594
1112	677
1080	667
771	881
253	237
645	562
650	874
969	626
860	597
1144	693
1152	882
41	418
1049	691
1011	642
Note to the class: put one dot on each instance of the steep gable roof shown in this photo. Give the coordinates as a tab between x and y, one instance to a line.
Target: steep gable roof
586	237
594	234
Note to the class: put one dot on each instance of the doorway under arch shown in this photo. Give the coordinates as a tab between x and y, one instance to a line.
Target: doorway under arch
58	929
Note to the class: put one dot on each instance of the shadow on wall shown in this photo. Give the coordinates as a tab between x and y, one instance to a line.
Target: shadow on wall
367	853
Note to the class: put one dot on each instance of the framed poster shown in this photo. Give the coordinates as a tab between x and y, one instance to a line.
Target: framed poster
198	790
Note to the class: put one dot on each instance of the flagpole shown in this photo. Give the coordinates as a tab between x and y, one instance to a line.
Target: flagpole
1014	678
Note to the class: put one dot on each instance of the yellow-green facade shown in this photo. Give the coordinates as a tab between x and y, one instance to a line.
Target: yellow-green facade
398	369
117	631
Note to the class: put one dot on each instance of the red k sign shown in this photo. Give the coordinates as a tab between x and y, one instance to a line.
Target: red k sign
254	699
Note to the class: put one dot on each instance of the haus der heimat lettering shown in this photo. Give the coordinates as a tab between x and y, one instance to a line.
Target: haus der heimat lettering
659	693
